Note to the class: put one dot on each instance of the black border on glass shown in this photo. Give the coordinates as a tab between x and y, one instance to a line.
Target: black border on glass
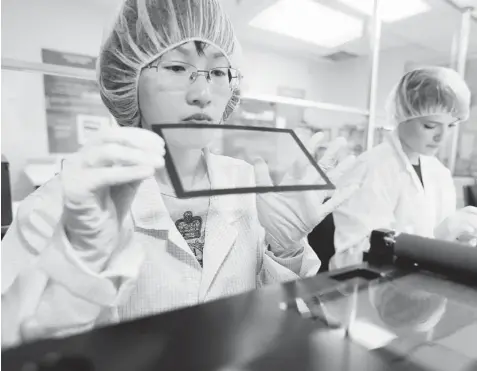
181	193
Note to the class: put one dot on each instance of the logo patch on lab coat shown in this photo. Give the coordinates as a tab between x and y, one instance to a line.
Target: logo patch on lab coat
189	226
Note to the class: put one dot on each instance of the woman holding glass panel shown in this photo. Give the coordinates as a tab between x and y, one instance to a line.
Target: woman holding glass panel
106	240
403	186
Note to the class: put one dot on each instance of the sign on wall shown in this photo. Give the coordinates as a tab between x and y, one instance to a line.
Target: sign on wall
74	110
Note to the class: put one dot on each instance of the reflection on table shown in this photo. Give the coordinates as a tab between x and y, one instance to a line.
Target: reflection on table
360	318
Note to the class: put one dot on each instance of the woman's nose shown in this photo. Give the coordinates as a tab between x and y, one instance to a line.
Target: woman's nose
441	132
199	92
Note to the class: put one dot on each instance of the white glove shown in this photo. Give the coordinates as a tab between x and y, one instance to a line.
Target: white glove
288	217
461	226
99	183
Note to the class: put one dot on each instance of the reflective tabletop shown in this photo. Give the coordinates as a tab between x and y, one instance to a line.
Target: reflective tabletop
360	318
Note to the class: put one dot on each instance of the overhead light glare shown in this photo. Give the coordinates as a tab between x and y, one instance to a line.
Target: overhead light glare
309	21
390	10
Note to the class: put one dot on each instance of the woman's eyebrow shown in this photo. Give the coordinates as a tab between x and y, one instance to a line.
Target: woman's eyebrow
186	52
218	55
182	50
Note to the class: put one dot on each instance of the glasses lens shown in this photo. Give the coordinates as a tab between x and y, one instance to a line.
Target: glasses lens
180	74
221	76
177	74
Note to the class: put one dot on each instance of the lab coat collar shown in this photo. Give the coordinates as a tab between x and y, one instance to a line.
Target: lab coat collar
405	162
149	213
221	233
427	193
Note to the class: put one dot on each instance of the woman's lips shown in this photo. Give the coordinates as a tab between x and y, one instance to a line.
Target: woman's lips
199	118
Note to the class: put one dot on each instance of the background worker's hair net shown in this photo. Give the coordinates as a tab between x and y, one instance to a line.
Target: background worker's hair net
429	91
146	29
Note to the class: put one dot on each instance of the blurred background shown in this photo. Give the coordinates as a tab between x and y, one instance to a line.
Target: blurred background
328	66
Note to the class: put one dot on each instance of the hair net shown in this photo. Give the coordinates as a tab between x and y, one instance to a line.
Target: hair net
429	91
146	29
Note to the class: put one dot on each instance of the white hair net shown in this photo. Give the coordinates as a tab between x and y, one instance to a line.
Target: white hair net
146	29
429	91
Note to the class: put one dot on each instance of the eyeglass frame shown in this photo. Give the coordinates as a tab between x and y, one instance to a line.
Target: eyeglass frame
206	73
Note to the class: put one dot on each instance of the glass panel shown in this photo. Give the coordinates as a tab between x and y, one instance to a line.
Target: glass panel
254	113
305	122
290	166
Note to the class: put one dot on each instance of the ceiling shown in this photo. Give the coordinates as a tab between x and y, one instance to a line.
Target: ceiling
465	3
430	32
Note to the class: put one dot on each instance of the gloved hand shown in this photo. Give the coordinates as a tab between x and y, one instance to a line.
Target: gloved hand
461	226
288	217
99	183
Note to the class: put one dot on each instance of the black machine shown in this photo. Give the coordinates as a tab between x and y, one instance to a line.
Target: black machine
7	215
470	195
411	306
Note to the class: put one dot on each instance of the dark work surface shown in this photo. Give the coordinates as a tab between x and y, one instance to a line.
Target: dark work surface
397	321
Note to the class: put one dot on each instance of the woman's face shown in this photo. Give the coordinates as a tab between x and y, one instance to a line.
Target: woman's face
425	135
167	95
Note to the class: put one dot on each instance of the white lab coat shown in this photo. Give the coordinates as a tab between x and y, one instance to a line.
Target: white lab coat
153	270
390	196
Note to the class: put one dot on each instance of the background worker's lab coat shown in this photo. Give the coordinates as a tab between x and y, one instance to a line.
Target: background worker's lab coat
390	196
49	290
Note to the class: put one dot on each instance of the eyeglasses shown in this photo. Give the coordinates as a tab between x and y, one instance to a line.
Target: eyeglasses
181	75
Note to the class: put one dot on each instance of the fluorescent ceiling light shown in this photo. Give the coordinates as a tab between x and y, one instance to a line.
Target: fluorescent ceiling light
309	21
391	10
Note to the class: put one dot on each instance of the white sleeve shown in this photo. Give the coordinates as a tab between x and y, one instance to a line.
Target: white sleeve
370	207
300	258
279	261
448	202
288	265
47	288
448	207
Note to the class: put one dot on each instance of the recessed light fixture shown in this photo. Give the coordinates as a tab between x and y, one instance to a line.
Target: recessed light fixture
390	10
309	21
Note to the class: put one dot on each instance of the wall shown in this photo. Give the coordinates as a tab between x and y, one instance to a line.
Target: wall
355	73
264	72
347	83
27	27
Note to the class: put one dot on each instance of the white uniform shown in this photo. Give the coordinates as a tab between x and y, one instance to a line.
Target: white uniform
52	284
390	196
